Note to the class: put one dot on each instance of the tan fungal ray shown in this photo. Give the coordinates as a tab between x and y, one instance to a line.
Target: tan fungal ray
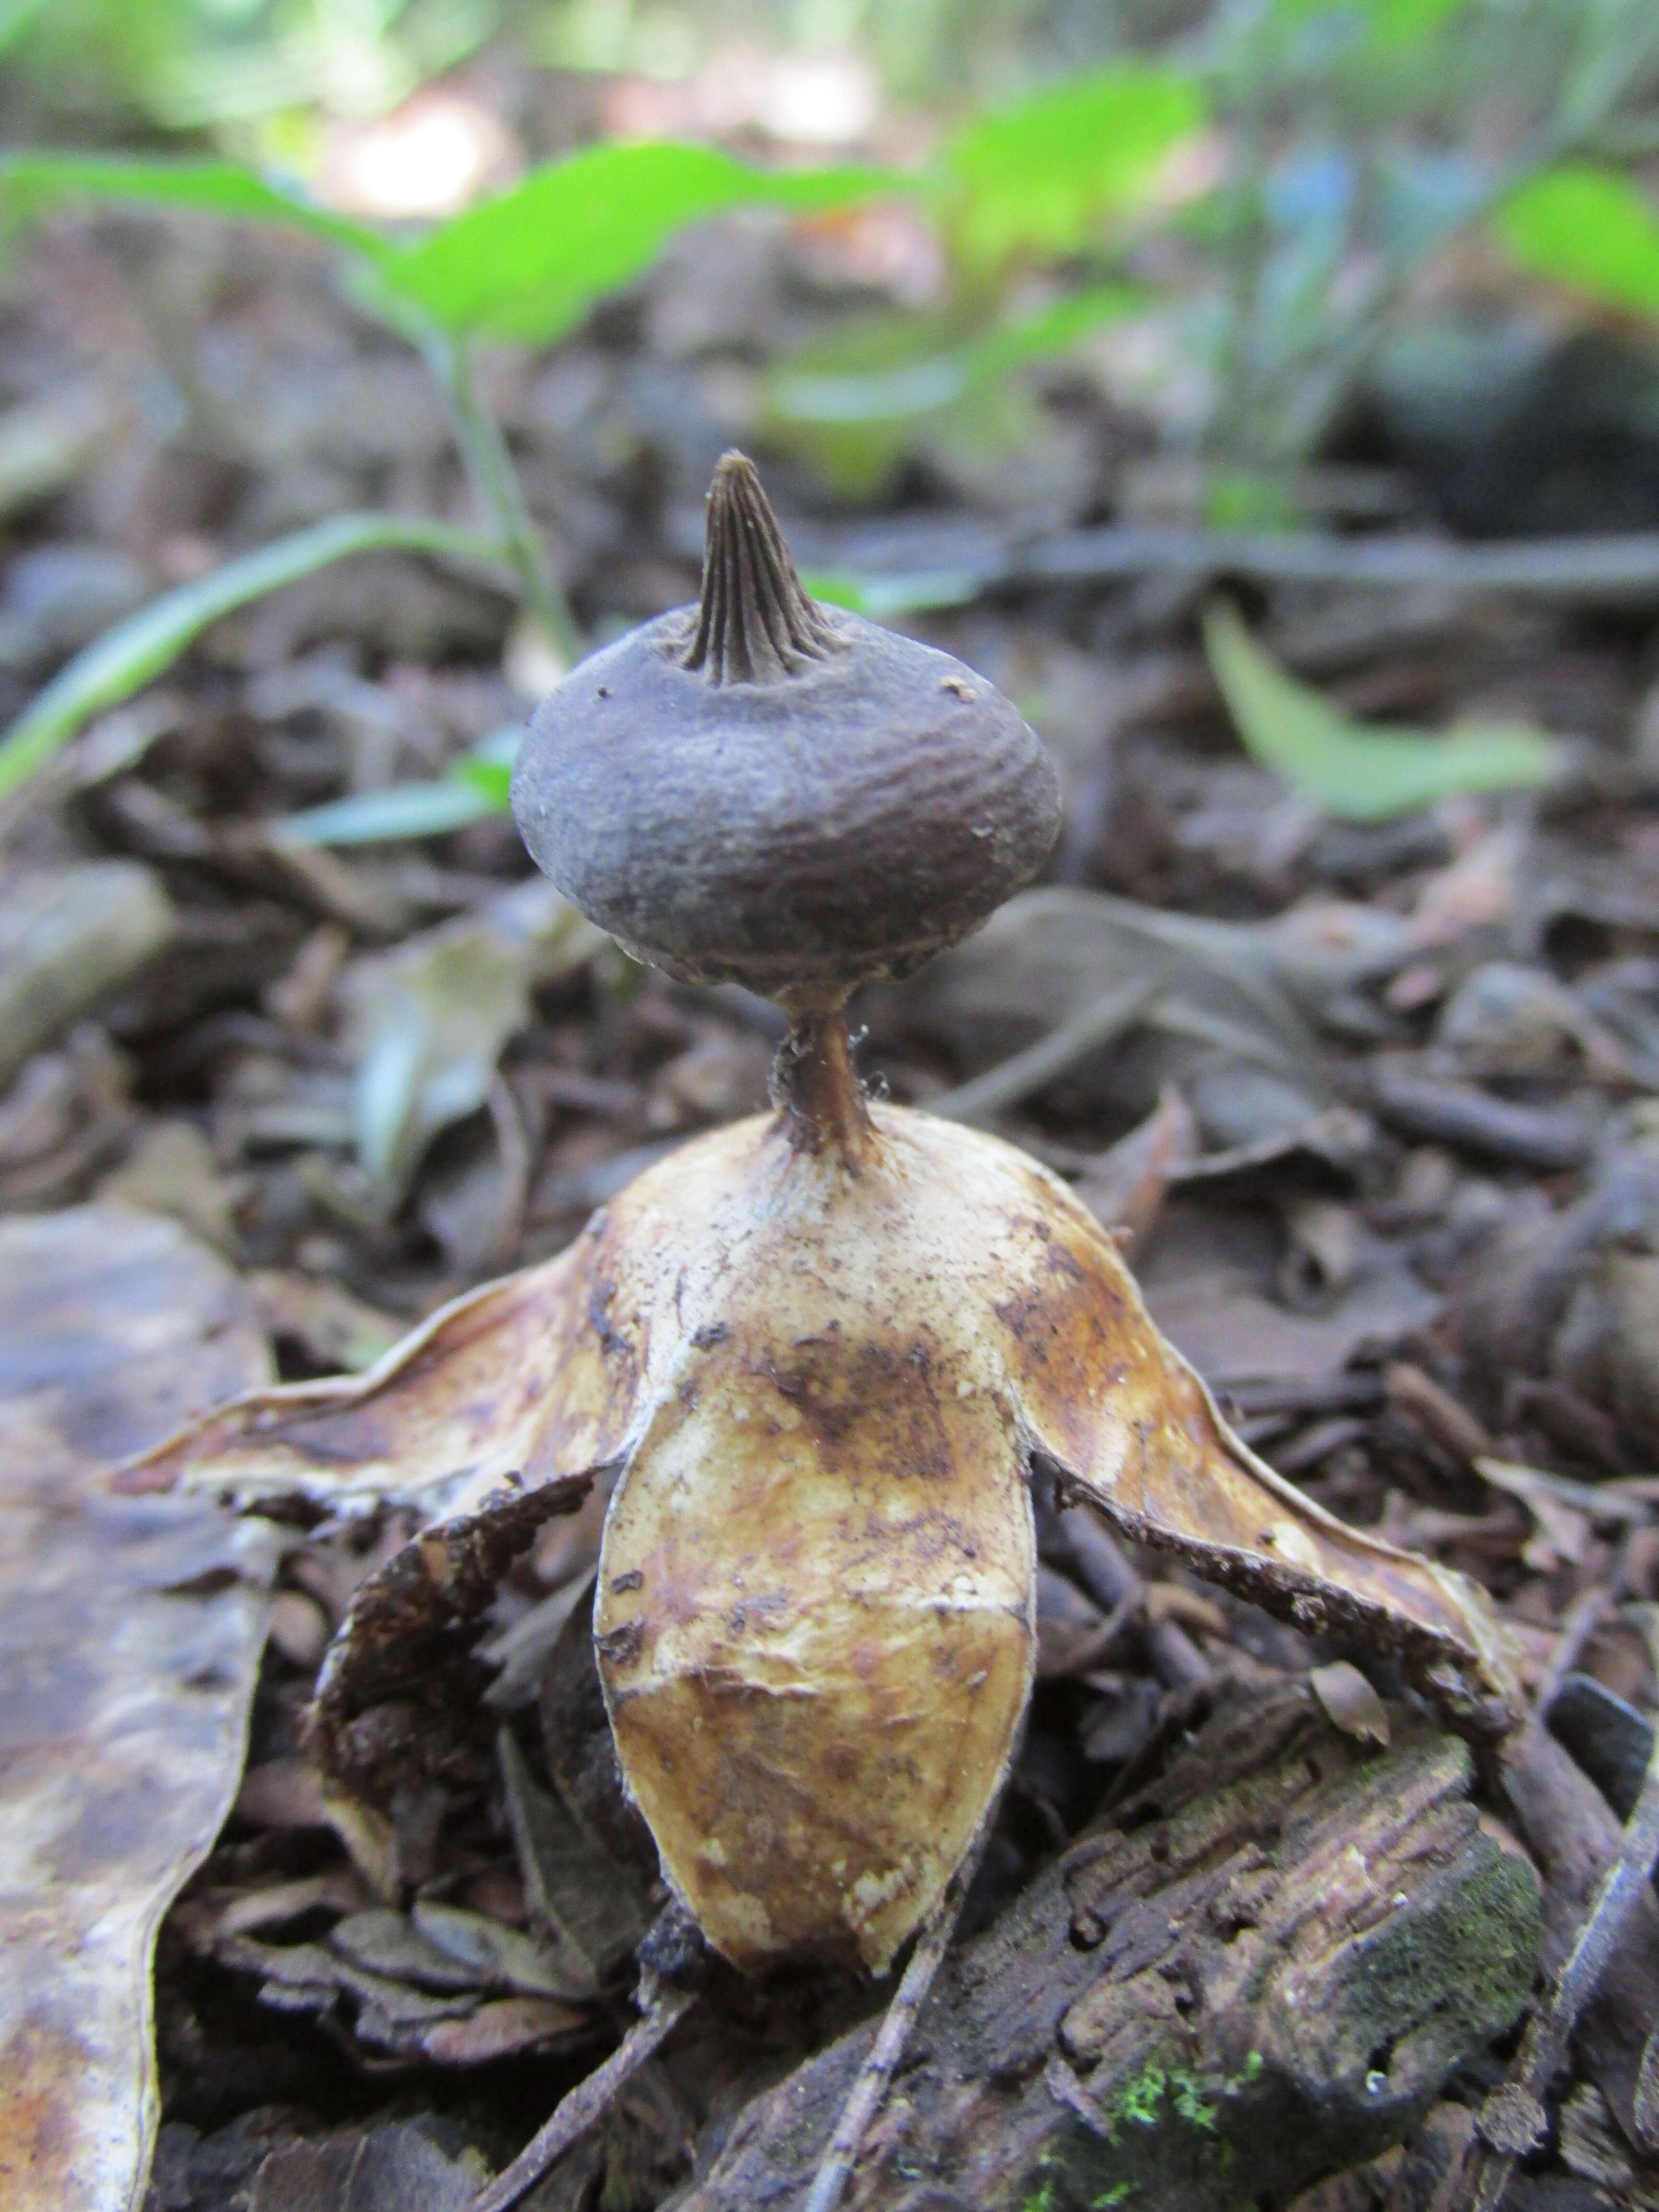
522	1380
499	1412
821	1382
1134	1433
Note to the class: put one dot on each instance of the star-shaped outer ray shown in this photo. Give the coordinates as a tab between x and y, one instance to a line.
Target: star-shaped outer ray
818	1393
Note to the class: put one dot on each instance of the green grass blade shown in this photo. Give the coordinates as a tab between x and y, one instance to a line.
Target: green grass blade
1053	330
126	657
31	182
396	811
474	787
1590	228
529	263
1358	773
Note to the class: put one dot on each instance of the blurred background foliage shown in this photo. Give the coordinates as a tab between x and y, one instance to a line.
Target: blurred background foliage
217	63
1249	224
1254	188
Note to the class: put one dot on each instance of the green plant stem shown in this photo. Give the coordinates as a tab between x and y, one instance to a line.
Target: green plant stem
1234	432
126	657
1615	46
496	485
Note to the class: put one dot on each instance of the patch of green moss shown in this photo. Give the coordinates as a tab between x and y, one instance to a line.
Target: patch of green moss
1158	2092
1044	2199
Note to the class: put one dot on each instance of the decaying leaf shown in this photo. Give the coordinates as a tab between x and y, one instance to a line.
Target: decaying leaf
590	1903
434	1016
822	1392
1566	1304
394	2167
68	938
1229	1010
130	1635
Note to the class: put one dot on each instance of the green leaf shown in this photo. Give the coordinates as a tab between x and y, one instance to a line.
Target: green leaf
879	598
396	811
489	780
1401	23
1590	228
473	789
16	16
939	380
125	659
1356	773
1039	177
1392	25
1053	330
530	262
902	385
31	182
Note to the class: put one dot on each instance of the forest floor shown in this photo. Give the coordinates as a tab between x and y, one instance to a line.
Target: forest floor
1383	1135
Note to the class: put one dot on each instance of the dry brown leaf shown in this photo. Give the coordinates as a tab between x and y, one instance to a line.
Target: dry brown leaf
1563	1531
1350	1701
130	1635
432	1018
392	2168
496	2031
1126	1186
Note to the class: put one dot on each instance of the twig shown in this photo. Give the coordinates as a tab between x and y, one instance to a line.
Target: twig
1107	1576
516	1152
1620	566
1016	1078
1586	1615
587	2102
879	2068
1544	1137
1445	1419
1622	569
1512	2120
1588	1612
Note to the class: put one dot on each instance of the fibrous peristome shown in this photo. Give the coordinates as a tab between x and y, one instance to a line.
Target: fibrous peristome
820	1388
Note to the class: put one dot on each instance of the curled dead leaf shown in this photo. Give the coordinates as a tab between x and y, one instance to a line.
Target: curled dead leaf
1350	1701
432	1018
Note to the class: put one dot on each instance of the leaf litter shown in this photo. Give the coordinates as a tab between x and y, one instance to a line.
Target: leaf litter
1496	953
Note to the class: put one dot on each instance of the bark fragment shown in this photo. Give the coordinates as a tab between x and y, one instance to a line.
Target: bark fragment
1258	1970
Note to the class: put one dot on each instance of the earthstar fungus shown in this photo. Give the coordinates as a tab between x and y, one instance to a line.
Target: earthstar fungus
818	1354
